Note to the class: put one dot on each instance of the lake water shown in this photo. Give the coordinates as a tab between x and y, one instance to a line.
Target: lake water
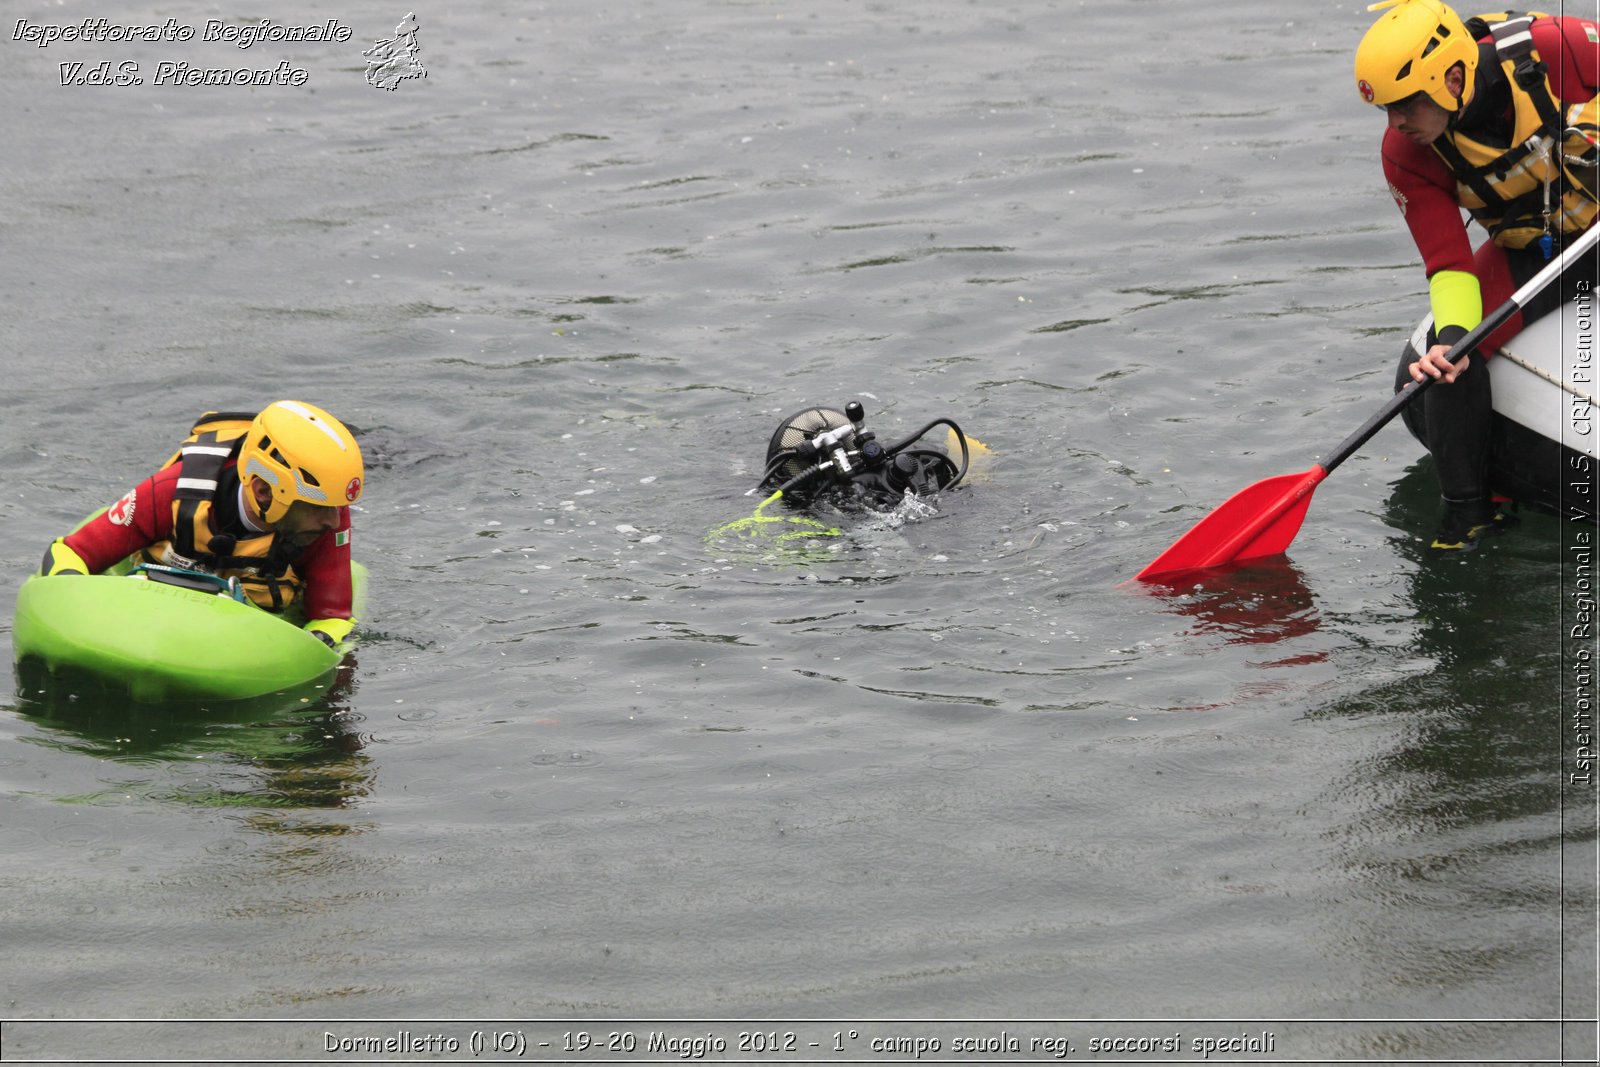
592	772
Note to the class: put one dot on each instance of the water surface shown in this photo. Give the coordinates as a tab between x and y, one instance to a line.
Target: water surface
587	764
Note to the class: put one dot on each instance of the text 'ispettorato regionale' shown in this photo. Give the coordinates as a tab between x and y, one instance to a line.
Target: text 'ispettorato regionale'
104	31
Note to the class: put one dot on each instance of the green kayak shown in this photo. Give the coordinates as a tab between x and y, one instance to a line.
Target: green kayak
167	641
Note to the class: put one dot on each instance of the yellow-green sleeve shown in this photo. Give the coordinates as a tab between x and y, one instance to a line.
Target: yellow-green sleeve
1456	299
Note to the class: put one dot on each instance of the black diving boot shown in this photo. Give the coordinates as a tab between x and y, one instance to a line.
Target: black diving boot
1464	523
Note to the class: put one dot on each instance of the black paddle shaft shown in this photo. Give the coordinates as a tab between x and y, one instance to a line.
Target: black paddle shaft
1400	400
1492	322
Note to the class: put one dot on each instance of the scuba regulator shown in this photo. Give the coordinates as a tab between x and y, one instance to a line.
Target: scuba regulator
820	453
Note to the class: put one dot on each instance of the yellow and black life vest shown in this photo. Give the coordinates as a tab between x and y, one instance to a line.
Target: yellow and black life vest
262	563
1520	191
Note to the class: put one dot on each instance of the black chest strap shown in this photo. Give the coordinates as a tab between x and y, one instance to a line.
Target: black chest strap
199	477
1513	41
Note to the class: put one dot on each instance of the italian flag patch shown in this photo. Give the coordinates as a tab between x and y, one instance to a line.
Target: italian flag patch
341	538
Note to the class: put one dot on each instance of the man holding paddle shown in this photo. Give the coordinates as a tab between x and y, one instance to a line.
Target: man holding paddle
1497	115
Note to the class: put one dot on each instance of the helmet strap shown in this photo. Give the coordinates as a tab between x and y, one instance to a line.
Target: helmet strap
254	512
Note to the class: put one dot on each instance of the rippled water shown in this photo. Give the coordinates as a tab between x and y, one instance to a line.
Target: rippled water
587	762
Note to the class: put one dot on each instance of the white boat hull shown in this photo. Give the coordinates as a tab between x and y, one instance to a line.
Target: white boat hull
1548	382
1544	383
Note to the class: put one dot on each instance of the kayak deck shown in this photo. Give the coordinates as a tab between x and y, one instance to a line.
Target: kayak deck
166	642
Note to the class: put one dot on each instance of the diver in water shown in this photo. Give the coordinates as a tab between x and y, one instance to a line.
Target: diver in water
819	455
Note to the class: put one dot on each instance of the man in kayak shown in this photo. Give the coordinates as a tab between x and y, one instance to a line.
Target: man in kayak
1496	115
263	498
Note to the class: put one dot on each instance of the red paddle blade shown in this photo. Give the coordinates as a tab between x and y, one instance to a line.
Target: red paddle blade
1254	522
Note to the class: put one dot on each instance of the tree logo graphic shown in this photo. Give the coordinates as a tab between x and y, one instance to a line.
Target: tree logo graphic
393	61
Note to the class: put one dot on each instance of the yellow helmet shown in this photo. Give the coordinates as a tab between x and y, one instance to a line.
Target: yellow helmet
1409	49
303	453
